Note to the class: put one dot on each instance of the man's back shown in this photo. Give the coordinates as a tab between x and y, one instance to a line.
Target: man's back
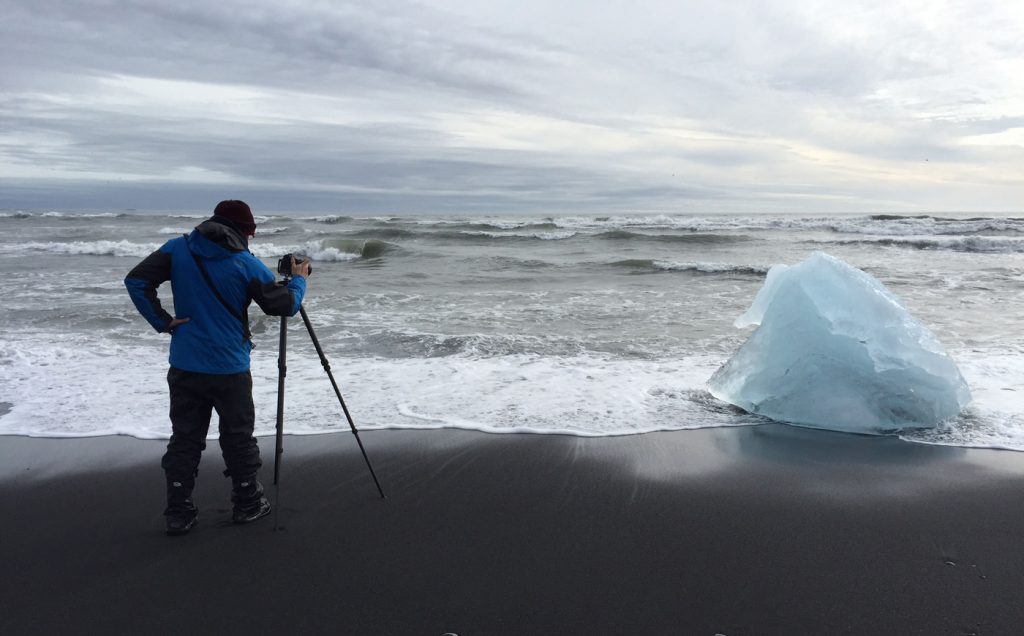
213	340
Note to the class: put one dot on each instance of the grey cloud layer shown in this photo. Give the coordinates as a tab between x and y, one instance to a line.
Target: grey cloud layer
586	100
316	47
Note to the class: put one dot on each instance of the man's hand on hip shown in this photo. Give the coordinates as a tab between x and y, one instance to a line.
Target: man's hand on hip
175	322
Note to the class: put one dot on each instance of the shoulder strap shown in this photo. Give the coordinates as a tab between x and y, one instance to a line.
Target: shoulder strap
243	319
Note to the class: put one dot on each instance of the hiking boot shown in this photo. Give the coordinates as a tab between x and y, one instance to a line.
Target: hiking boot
180	520
250	504
251	512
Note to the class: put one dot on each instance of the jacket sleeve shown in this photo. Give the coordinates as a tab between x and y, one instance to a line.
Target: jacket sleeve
142	282
274	298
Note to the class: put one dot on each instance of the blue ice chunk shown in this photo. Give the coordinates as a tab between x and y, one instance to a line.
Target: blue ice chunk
835	349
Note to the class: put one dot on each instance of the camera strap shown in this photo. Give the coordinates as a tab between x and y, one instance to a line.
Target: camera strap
240	317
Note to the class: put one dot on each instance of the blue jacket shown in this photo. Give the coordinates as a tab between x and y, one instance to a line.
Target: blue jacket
213	340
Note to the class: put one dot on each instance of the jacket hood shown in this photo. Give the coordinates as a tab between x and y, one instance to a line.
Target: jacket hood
221	241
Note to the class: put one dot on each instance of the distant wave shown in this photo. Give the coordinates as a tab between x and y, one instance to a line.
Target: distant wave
896	217
477	235
624	235
332	219
541	236
976	244
705	268
458	231
72	216
926	225
64	215
671	228
84	215
496	225
657	224
383	233
878	224
98	248
943	219
465	223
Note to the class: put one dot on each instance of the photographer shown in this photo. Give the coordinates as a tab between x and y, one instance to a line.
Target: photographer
214	278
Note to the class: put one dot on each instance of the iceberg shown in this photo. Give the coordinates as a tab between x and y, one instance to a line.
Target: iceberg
835	349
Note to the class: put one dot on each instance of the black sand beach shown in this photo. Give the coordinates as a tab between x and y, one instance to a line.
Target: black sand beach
747	531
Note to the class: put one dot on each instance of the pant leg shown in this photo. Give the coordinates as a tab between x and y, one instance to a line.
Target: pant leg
237	414
190	414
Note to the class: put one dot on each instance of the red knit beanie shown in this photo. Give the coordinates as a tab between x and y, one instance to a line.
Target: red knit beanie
239	213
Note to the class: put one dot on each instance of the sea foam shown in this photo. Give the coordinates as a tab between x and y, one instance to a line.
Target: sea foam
586	395
79	383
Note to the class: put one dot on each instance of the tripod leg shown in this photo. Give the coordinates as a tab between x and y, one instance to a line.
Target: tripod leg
282	371
337	391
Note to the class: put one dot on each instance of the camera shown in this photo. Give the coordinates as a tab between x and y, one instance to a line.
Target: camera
284	266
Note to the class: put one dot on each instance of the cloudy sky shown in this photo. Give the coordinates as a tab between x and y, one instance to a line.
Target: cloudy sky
498	106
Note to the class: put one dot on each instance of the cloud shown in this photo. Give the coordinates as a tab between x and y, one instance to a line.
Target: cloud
317	46
452	105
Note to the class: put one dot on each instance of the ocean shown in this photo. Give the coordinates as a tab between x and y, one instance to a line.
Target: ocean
583	325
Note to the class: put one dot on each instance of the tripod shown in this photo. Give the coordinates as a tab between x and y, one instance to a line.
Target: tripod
281	373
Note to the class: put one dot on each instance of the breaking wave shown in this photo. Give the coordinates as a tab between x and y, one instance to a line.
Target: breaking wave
514	236
498	225
698	238
382	233
97	248
333	219
974	244
704	268
320	250
328	250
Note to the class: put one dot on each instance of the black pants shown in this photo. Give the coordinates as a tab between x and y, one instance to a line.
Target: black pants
194	396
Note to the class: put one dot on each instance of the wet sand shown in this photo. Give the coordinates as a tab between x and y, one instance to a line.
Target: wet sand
747	531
